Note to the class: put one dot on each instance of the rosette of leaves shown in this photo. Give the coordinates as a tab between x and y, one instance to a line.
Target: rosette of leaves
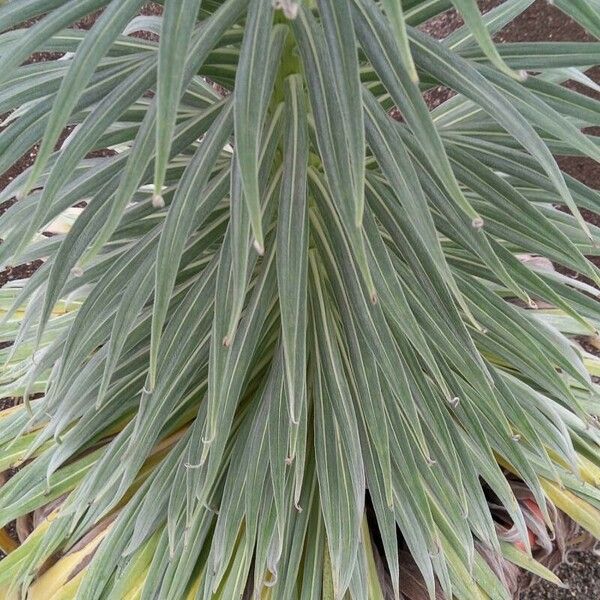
282	344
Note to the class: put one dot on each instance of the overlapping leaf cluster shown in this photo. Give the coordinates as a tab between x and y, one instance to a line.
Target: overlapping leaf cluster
281	341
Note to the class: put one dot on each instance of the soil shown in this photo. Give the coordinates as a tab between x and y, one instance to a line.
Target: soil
540	22
581	576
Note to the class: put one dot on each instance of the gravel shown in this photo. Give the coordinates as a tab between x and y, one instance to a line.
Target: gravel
581	575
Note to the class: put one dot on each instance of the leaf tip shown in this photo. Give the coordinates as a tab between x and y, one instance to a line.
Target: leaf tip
158	201
206	444
289	8
259	247
151	382
477	222
192	466
294	419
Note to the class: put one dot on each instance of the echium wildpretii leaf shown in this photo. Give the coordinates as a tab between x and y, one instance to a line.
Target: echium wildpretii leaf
175	37
283	345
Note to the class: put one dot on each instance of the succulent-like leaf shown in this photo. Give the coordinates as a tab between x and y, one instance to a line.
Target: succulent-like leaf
358	409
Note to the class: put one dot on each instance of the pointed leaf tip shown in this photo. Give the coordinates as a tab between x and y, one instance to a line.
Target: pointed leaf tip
289	8
477	222
259	247
158	201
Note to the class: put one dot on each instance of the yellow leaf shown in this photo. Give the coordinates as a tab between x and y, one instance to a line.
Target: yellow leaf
59	575
523	560
579	510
